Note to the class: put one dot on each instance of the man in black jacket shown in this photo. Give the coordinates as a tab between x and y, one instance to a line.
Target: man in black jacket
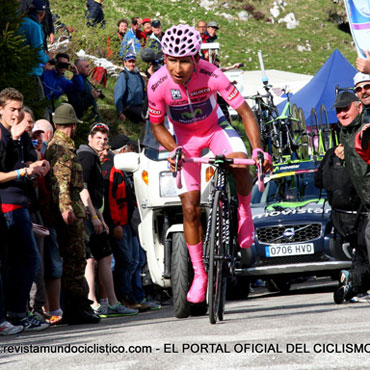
17	166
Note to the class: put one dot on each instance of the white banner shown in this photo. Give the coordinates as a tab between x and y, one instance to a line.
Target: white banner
358	12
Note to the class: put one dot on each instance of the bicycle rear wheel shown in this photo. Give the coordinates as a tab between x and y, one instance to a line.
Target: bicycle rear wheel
216	262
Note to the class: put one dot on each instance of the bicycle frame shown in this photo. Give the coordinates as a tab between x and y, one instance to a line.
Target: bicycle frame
219	247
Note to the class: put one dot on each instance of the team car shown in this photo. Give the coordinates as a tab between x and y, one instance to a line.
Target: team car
294	234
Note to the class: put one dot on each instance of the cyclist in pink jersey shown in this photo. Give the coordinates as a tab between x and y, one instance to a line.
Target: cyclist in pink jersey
185	89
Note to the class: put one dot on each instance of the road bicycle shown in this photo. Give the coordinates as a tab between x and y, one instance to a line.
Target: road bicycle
265	112
293	139
282	135
220	243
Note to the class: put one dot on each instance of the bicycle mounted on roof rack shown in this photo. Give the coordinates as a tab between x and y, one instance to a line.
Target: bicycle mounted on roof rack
286	136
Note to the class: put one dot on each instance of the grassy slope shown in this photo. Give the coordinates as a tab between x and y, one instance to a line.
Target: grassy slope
240	40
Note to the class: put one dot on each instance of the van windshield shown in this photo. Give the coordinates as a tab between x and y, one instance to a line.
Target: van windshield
291	188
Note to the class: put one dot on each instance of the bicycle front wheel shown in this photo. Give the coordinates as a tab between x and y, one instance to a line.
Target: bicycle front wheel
216	261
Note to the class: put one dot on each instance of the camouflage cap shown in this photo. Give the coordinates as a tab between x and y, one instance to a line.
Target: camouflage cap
65	115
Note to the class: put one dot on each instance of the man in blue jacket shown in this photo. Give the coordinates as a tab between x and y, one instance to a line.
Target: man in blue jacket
129	92
31	29
131	41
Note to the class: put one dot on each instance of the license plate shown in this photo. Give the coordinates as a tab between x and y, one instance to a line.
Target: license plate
289	250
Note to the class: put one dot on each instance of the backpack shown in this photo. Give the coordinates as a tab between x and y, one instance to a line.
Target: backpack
99	75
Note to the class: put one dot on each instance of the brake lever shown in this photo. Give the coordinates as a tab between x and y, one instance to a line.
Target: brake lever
260	173
178	153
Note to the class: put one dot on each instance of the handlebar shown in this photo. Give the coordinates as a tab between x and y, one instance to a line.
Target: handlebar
229	161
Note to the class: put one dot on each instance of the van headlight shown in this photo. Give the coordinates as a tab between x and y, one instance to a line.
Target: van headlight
167	185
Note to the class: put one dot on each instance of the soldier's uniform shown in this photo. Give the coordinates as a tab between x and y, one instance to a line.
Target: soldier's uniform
66	183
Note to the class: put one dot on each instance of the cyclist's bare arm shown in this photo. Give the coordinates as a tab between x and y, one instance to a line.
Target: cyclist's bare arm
163	136
251	128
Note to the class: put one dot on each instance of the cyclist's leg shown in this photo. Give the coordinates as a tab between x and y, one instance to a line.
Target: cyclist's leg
227	141
190	199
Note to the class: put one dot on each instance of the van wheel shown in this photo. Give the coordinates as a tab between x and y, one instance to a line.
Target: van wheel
181	274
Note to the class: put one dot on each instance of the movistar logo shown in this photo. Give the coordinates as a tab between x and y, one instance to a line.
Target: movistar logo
187	115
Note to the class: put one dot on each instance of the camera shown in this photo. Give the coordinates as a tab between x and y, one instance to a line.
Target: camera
62	65
156	59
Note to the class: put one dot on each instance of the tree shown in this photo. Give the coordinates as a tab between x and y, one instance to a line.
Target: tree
17	59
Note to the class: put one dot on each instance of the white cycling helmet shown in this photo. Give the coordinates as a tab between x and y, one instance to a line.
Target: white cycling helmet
181	41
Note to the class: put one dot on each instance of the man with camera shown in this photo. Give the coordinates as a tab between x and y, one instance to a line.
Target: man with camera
55	83
84	100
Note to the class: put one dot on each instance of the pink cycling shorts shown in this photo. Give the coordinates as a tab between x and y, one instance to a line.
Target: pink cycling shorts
221	138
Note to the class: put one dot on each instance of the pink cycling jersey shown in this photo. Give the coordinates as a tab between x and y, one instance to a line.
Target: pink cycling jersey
196	117
194	105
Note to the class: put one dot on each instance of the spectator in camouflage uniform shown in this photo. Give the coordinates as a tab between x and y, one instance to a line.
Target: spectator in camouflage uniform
66	183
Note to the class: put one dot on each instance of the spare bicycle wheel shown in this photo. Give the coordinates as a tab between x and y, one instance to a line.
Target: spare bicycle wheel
314	133
299	133
327	141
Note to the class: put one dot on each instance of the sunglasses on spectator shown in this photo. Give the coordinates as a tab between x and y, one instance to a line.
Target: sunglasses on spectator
365	87
98	126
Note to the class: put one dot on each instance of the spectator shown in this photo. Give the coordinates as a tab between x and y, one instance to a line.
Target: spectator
53	263
56	84
122	28
38	194
48	26
155	38
349	113
6	328
120	203
113	43
84	100
23	259
212	28
202	27
68	212
131	41
129	93
31	29
27	116
36	138
349	222
147	27
361	82
47	135
95	13
98	246
139	33
120	207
